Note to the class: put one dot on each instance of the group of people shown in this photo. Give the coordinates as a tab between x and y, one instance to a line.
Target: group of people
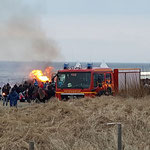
8	94
28	91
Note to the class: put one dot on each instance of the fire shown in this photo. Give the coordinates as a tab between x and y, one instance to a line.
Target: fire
40	76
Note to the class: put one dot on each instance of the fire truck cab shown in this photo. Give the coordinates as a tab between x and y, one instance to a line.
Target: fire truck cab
78	82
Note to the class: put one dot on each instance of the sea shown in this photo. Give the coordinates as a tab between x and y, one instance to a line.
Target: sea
16	72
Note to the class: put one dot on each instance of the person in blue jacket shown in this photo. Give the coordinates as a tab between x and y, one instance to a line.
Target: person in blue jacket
13	97
35	82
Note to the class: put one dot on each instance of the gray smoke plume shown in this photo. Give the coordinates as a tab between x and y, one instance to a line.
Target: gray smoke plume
21	36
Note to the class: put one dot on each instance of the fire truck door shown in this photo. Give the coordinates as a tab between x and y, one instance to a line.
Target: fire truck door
98	80
99	83
108	78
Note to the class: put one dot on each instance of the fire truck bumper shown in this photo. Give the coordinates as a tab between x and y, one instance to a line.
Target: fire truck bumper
71	95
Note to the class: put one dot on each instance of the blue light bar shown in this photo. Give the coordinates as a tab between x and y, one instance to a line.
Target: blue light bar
89	66
66	66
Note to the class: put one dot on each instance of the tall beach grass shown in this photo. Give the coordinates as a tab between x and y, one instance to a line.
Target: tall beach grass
77	124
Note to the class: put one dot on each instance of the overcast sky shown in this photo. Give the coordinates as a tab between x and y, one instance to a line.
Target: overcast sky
77	30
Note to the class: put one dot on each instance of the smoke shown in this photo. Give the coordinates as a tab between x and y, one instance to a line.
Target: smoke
21	36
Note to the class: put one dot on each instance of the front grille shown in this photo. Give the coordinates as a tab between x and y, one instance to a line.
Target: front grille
67	96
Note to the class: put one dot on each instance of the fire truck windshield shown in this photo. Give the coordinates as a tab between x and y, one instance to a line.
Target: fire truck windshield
74	80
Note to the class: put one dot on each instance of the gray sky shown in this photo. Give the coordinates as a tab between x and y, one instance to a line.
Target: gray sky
75	30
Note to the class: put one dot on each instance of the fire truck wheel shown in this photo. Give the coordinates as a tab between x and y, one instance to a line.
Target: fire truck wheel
100	93
108	92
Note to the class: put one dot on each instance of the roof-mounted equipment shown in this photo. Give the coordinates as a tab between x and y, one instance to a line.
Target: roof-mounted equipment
66	66
78	66
89	66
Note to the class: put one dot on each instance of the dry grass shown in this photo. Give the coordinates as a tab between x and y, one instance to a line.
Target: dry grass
135	91
77	124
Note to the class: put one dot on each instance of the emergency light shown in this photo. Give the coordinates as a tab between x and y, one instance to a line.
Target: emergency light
89	66
66	66
78	66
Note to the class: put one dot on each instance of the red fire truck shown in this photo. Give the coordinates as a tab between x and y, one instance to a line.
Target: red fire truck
80	82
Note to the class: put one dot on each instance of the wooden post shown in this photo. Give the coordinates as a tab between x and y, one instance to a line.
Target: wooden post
31	146
119	137
119	134
126	82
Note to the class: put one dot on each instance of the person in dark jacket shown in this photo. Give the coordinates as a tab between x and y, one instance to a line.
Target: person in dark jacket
5	92
30	92
0	93
16	88
13	97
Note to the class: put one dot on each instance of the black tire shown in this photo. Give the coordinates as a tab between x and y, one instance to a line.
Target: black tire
100	93
108	92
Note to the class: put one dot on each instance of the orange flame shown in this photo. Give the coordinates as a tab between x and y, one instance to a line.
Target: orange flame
43	77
